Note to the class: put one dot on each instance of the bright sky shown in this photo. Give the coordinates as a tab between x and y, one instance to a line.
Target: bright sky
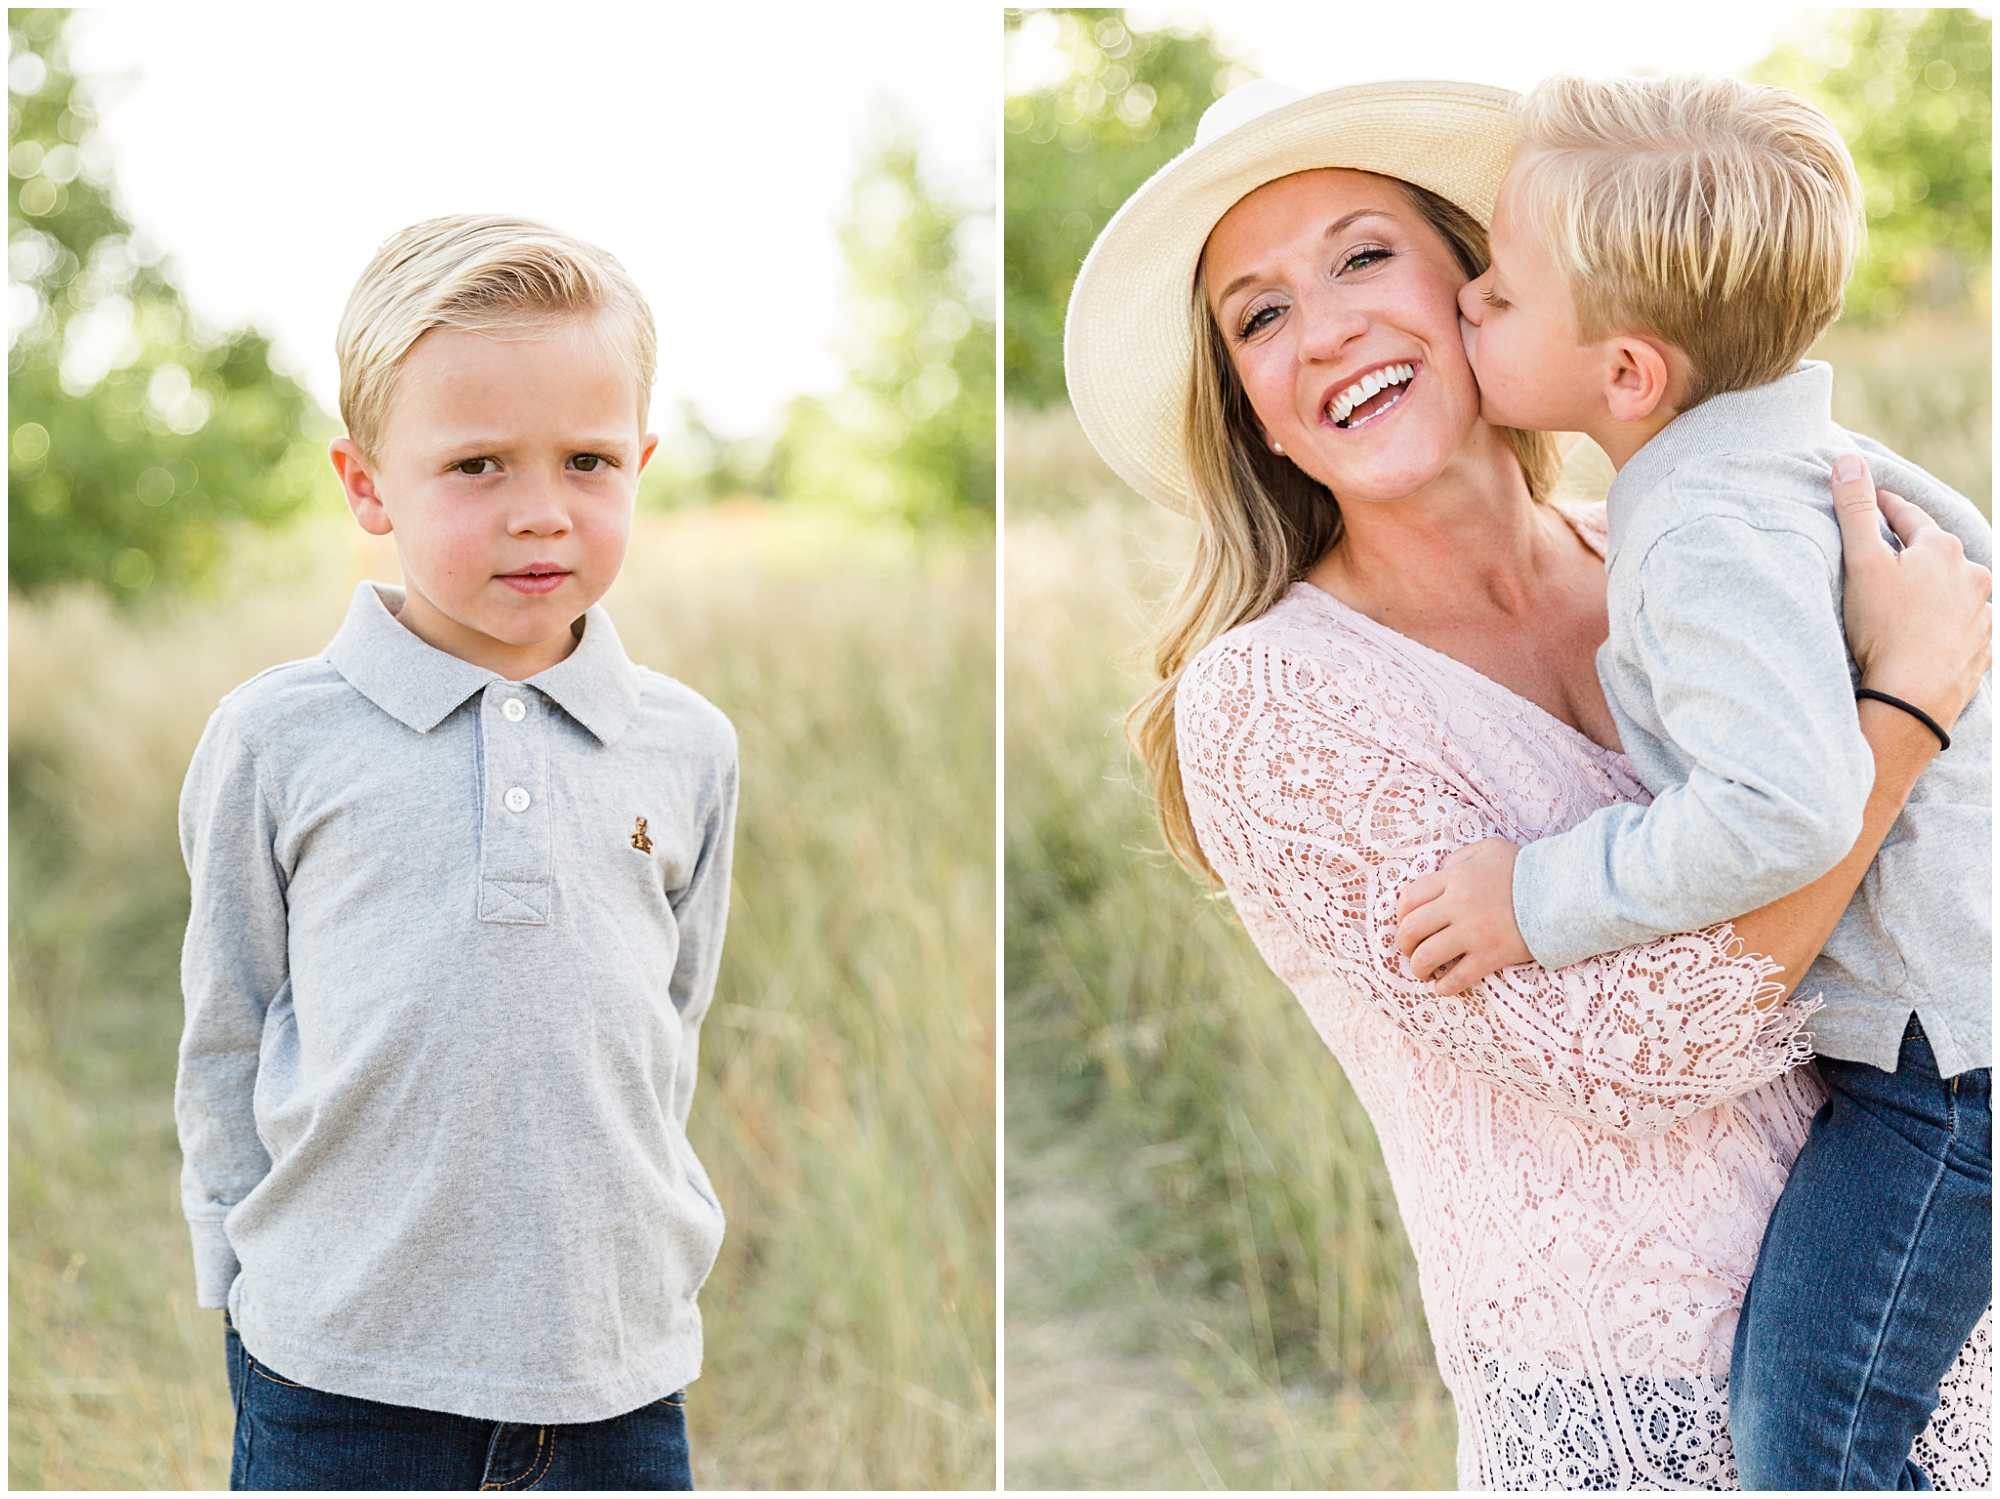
269	150
1317	45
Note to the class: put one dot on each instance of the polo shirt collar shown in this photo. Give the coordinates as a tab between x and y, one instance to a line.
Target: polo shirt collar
420	686
594	684
1788	413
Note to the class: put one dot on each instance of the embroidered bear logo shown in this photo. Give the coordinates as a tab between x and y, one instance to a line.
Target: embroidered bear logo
639	839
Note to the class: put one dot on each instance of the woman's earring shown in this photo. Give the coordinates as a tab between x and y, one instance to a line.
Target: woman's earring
1277	447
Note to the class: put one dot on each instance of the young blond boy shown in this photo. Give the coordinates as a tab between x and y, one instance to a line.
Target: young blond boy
459	886
1664	252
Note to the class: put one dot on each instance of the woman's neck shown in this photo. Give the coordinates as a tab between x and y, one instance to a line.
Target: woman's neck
1473	568
1472	540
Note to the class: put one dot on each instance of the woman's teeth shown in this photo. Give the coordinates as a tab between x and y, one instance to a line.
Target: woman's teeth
1342	405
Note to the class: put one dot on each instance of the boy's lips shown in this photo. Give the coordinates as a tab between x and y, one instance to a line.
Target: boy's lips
536	577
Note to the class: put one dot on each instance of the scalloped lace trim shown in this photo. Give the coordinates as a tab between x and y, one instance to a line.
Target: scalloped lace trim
1956	1448
1538	1428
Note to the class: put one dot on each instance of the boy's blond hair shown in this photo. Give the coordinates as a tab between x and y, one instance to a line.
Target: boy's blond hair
1720	216
480	273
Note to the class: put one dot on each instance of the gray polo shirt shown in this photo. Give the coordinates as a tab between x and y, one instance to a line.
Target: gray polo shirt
451	943
1728	673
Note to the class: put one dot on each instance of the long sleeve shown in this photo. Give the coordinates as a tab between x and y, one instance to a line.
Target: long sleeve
701	911
233	969
451	943
1735	667
1317	808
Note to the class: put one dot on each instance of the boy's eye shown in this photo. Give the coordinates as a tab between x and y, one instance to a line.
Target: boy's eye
476	466
591	463
1493	299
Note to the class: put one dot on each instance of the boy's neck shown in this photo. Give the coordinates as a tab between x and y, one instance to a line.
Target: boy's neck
1622	440
516	663
1639	367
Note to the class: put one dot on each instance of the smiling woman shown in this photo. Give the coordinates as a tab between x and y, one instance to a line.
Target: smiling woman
1313	334
1383	652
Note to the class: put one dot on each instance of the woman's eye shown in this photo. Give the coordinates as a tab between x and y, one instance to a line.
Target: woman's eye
1258	319
476	466
1362	259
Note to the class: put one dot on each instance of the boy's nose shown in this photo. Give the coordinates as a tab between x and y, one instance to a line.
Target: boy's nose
1471	305
539	512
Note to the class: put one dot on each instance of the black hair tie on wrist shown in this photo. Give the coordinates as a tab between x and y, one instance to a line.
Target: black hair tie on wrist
1944	739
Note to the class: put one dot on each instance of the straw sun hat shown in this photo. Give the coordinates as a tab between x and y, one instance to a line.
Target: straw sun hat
1126	345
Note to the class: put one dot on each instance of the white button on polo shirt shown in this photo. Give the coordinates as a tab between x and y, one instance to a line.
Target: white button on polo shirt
515	710
516	799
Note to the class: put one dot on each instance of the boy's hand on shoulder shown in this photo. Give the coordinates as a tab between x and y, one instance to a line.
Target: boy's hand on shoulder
1464	912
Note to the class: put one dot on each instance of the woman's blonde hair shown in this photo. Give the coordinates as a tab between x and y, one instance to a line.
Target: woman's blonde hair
1718	215
1260	522
479	273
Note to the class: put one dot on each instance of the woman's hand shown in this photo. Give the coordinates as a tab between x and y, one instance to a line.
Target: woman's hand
1920	621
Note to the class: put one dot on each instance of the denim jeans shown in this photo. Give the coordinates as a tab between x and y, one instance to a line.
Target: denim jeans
1876	1265
291	1437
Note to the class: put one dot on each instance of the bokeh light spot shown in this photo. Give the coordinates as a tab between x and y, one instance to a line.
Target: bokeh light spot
26	73
31	442
132	569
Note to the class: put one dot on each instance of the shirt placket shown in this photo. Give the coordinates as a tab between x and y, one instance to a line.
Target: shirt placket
515	829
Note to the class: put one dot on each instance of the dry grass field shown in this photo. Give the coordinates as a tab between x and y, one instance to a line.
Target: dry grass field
1207	1279
846	1109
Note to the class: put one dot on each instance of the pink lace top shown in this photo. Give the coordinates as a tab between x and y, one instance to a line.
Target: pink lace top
1584	1157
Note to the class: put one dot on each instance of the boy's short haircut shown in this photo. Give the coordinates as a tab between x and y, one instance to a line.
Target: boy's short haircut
1718	215
480	273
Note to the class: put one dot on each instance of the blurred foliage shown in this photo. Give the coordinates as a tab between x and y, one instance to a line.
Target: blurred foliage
696	464
134	437
1912	93
910	438
1099	109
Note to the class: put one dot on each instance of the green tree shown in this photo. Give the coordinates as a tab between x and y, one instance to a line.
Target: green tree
1912	93
911	434
1125	103
134	439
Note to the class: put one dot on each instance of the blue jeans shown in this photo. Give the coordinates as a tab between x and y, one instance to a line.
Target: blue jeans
291	1437
1876	1265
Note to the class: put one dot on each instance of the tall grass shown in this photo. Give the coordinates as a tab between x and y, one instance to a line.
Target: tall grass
846	1106
1208	1282
1231	1240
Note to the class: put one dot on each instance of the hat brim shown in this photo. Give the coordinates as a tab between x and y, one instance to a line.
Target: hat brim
1126	342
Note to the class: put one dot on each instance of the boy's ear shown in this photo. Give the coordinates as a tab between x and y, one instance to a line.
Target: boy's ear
649	444
1644	374
357	479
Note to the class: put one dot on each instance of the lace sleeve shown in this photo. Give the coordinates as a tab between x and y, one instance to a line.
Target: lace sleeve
1318	806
